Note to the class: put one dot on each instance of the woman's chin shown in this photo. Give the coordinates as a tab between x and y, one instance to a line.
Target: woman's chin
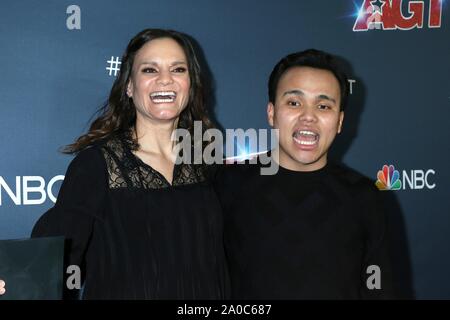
164	114
168	116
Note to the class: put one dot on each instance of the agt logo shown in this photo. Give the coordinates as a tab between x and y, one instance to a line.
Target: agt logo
389	179
389	15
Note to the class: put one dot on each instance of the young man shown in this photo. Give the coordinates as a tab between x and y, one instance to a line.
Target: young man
313	230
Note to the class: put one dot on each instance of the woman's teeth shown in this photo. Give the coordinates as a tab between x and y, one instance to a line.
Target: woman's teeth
163	96
305	137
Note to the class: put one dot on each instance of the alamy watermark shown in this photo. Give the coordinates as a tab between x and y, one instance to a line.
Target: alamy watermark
373	281
250	145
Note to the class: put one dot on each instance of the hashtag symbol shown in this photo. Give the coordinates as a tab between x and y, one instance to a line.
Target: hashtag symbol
113	65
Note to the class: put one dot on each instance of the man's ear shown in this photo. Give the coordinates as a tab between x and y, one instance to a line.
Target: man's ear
341	121
270	112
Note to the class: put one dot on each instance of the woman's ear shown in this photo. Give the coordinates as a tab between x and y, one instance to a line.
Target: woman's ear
129	89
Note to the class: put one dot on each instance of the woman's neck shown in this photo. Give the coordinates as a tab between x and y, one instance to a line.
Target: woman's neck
155	137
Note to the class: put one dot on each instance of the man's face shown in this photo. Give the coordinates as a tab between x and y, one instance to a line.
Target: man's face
307	114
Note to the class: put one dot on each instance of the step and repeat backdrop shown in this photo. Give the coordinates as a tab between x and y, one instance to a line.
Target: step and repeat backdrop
59	59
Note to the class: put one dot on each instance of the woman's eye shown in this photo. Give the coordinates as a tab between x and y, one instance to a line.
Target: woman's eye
149	70
179	70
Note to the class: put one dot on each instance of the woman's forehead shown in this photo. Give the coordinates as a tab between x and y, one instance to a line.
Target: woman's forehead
161	49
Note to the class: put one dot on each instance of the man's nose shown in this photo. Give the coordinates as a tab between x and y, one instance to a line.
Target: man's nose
308	114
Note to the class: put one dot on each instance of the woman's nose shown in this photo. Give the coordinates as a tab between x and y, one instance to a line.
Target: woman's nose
165	77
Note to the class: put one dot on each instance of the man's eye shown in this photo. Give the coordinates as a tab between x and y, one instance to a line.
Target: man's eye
179	70
294	103
324	107
149	70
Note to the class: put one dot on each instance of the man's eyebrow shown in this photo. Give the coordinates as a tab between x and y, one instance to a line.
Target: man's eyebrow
294	92
325	97
298	92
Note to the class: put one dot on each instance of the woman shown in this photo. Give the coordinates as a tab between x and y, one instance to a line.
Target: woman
139	226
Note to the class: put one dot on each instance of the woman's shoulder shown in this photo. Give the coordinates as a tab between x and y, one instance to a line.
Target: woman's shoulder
90	158
115	146
103	153
95	152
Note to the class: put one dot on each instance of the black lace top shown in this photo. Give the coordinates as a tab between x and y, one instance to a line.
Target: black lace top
125	170
134	235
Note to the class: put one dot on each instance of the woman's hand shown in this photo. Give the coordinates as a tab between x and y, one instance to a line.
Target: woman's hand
2	287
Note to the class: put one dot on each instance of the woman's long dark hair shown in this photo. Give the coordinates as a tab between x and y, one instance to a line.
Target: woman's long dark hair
118	115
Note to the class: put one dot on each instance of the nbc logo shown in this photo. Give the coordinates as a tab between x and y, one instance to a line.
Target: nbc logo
29	190
389	179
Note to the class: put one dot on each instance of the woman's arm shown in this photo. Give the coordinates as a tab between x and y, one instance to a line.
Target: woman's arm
79	206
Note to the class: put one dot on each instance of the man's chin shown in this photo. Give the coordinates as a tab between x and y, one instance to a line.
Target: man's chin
310	163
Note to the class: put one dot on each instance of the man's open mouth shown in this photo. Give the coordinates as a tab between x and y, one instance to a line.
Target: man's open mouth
305	137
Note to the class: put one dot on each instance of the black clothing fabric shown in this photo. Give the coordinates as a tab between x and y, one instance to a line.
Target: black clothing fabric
134	235
303	235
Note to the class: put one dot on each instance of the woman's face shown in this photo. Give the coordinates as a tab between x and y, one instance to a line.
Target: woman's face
159	83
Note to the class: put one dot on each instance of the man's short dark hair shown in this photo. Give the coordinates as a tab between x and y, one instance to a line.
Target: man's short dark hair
309	58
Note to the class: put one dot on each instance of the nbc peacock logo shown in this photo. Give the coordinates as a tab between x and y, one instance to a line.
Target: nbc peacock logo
388	178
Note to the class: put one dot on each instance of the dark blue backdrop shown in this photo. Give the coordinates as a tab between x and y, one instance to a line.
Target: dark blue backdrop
53	63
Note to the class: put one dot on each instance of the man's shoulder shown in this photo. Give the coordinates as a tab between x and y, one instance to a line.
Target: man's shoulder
235	174
352	179
244	167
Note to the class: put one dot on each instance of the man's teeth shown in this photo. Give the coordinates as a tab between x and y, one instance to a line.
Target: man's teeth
305	137
163	96
306	143
306	133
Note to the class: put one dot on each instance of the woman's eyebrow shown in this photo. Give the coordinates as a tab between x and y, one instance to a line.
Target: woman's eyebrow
153	63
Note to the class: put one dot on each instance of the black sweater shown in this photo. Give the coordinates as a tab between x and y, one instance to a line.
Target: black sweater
303	235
